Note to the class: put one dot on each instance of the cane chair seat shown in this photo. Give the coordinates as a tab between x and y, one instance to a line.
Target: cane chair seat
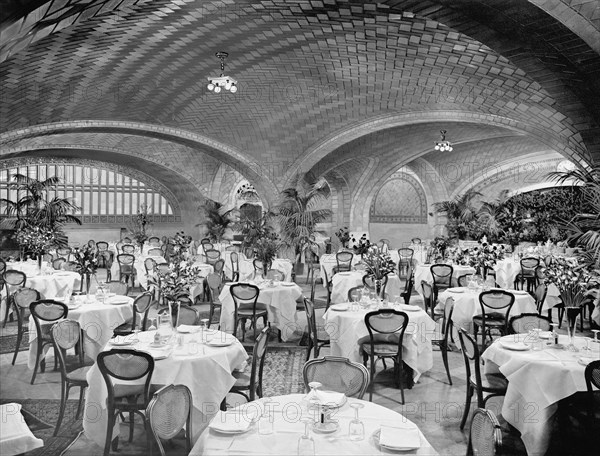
79	374
523	323
212	256
337	374
485	434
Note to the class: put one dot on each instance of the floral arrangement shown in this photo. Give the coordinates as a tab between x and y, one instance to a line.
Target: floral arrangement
36	239
485	255
265	250
439	246
139	225
361	246
180	247
86	259
377	263
344	236
571	279
176	280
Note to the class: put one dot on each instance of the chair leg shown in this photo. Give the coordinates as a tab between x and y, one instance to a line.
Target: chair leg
80	404
211	313
37	361
401	379
310	347
444	350
6	312
467	405
64	394
109	428
19	339
131	426
372	379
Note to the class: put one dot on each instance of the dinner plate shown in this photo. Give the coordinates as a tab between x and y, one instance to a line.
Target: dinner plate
185	329
409	308
74	306
516	346
218	342
546	335
120	343
287	284
339	307
376	435
585	360
519	292
118	300
344	273
455	290
155	345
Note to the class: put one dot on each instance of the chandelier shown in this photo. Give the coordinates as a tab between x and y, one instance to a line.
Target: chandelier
443	145
217	83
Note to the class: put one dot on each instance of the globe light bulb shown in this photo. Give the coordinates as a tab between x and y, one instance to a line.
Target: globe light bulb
217	89
437	147
210	86
233	89
227	85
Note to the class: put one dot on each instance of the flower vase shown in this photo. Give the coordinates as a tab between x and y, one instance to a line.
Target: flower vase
39	263
572	314
378	287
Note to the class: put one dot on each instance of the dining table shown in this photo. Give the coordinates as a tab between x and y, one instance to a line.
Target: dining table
423	272
16	438
466	304
97	319
345	324
202	359
281	300
537	381
286	415
139	266
342	282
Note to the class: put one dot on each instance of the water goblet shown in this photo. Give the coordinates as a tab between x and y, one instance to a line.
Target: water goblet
587	344
306	444
266	419
356	429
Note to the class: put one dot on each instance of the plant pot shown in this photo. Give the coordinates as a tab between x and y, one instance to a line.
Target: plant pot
298	268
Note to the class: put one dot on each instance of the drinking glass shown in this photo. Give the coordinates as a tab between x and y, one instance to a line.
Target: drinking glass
165	329
306	444
572	314
356	430
266	420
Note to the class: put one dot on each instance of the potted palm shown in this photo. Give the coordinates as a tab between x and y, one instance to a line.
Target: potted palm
218	219
300	210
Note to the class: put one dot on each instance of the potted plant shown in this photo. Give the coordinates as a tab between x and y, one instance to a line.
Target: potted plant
139	224
37	240
377	265
87	264
299	211
265	250
344	236
218	219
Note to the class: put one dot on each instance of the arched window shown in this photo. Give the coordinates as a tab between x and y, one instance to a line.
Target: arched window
400	199
104	193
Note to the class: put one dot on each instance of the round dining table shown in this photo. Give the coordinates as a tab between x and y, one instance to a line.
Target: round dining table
192	359
286	413
537	381
343	281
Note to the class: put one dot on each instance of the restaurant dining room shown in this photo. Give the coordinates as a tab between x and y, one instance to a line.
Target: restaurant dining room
299	227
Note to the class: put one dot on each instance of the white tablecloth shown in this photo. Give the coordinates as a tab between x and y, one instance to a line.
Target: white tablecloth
343	281
466	305
288	410
537	380
205	370
328	262
140	268
347	327
423	272
16	437
97	320
281	304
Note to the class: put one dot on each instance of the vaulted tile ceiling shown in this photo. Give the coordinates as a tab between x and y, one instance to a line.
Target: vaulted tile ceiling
350	90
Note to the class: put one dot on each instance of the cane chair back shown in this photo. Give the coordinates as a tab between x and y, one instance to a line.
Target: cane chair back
58	263
344	261
355	294
155	252
245	298
405	258
525	322
102	246
232	248
13	280
485	434
150	265
337	374
118	288
316	338
186	315
22	299
369	282
415	241
128	248
126	240
141	308
258	267
465	279
72	266
206	245
212	255
168	412
235	266
540	296
154	241
219	267
253	383
529	266
442	277
214	282
64	252
495	307
427	290
126	268
382	324
275	274
46	258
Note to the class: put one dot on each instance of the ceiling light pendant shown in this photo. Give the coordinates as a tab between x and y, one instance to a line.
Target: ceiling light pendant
216	83
443	145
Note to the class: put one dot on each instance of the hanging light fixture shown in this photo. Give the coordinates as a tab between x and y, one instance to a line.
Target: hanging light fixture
443	145
215	84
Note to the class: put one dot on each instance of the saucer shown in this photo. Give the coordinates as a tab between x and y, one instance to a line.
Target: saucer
326	428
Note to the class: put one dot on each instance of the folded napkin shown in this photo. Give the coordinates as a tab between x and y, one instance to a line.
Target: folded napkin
188	329
400	437
408	307
230	422
331	398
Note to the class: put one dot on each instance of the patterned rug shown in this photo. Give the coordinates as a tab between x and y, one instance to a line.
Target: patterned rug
8	343
41	416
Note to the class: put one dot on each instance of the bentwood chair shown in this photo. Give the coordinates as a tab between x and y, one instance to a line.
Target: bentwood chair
409	283
154	241
235	266
337	374
528	274
64	252
463	280
427	289
405	257
126	267
214	283
447	327
183	314
247	307
523	323
369	282
126	240
317	336
344	262
120	368
206	245
485	434
592	380
416	241
258	268
252	383
21	300
128	248
442	278
386	331
168	412
495	308
66	334
13	280
219	268
212	256
155	252
141	308
275	274
44	312
102	246
58	263
150	265
312	263
492	384
118	288
355	293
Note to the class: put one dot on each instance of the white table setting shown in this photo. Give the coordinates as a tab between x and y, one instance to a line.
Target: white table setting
423	272
281	299
16	437
343	281
203	359
291	425
345	324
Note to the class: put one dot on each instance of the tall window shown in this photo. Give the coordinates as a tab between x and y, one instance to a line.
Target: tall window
97	191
